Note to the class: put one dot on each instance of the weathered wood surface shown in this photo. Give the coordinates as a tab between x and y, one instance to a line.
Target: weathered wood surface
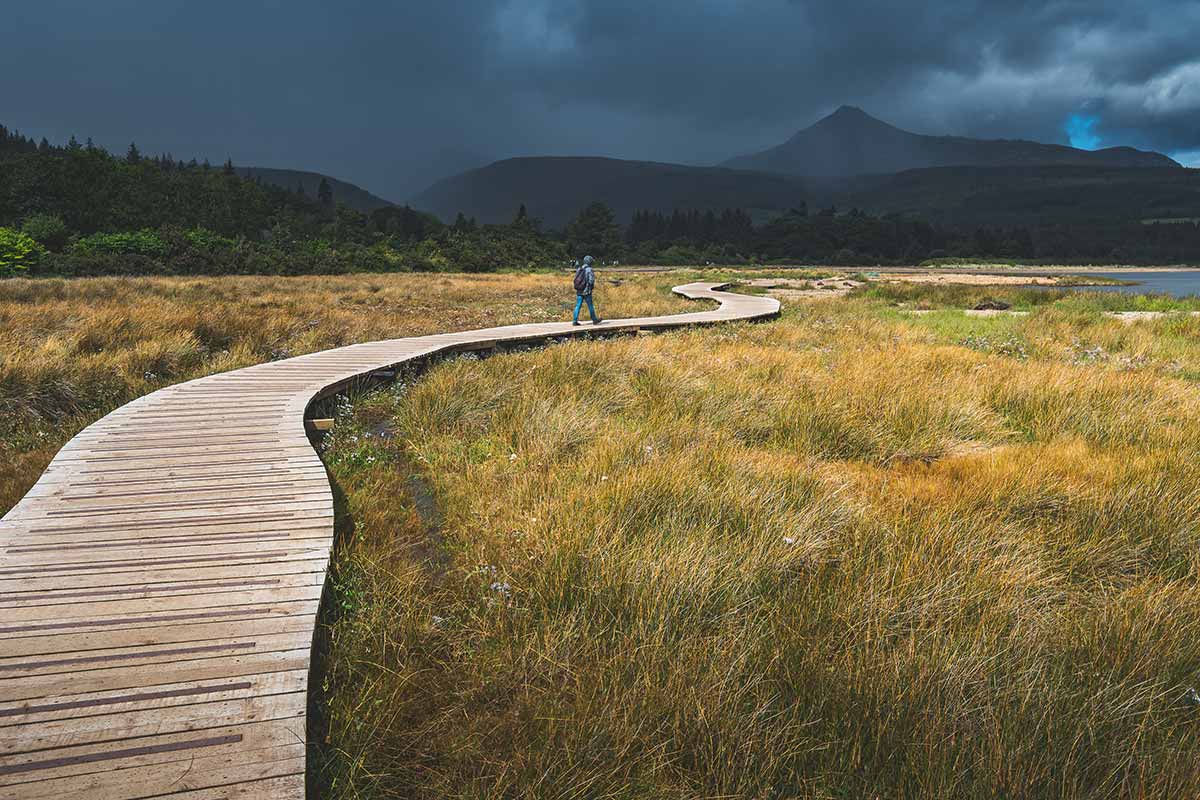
159	584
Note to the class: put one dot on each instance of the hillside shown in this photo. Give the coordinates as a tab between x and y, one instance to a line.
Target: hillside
1028	195
852	142
849	159
78	210
343	192
556	188
91	190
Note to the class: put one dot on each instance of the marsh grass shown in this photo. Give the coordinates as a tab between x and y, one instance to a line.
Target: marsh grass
840	555
73	350
1024	298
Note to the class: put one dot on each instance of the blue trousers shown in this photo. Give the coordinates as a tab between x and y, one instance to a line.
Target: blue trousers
580	299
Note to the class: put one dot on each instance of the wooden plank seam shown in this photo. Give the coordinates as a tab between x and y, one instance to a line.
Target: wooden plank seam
160	583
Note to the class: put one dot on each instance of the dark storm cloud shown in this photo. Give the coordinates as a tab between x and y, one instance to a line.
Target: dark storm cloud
388	94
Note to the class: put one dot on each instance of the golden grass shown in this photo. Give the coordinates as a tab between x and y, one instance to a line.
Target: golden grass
73	350
841	555
847	554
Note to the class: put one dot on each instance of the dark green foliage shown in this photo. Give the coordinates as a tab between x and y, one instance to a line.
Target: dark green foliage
48	230
140	215
343	193
847	239
91	191
594	232
403	224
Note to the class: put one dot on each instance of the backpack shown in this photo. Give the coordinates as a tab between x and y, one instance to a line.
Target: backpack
581	280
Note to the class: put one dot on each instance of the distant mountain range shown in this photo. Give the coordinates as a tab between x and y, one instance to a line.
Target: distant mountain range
852	142
343	192
555	188
849	159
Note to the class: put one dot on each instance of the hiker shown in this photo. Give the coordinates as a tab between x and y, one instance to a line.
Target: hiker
585	282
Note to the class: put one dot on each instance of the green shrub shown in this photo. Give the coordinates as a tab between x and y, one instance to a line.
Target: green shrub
48	230
204	239
678	255
315	247
142	243
18	252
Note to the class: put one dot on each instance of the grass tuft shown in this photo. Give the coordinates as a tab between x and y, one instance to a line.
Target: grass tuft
847	554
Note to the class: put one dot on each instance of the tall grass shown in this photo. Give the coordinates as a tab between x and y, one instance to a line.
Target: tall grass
840	555
73	350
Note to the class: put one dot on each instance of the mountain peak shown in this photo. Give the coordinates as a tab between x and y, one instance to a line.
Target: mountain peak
852	142
850	118
849	111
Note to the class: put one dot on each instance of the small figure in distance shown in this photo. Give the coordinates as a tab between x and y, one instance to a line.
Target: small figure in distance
585	282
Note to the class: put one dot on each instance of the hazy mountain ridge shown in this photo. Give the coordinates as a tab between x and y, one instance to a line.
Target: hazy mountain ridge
853	160
555	188
344	192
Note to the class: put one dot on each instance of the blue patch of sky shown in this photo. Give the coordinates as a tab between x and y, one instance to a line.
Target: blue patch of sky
1189	158
1081	131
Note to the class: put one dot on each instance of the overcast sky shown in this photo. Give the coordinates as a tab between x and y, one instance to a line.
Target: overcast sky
390	94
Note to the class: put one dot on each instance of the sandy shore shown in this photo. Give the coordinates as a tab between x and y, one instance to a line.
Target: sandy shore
797	288
970	279
793	288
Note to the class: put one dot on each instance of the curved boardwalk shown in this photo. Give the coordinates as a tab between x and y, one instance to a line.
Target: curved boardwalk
159	584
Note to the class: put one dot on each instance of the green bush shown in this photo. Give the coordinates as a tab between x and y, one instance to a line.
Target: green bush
204	239
18	252
48	230
678	255
142	243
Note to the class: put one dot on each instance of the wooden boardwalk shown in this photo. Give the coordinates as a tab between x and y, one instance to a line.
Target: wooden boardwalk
159	585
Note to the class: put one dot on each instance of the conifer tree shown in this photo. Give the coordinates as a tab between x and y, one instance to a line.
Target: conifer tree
325	192
594	232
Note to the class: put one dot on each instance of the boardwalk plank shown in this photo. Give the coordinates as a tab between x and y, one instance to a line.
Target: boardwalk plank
160	583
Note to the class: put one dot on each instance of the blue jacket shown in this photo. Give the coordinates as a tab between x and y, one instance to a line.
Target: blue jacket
589	278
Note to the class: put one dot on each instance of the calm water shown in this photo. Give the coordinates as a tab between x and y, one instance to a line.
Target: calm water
1176	284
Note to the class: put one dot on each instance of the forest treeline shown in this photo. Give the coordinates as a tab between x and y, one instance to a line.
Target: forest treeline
76	209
